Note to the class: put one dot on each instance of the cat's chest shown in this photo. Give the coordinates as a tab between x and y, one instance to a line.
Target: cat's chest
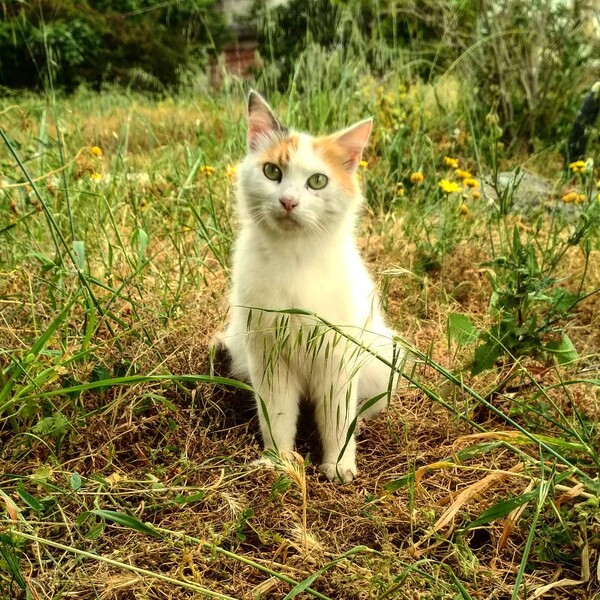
281	280
297	277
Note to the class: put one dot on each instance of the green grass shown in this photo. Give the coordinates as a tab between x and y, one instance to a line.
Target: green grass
126	461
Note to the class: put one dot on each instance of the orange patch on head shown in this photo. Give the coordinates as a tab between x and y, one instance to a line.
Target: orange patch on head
336	158
281	151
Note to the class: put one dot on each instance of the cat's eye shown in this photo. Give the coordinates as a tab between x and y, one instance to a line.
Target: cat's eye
317	181
272	172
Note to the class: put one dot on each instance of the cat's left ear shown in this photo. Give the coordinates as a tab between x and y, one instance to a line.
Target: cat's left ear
353	141
262	122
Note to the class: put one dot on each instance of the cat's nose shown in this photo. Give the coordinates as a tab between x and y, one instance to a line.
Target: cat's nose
288	203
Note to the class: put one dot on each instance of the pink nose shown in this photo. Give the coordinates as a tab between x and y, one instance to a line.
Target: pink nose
288	203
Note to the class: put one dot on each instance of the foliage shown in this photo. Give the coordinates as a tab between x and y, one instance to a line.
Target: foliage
529	308
525	60
95	42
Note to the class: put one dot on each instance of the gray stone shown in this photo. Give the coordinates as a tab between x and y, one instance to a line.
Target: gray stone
531	193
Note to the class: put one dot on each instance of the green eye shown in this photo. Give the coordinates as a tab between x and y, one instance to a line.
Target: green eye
317	181
272	172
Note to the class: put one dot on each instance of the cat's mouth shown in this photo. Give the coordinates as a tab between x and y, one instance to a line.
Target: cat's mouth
288	221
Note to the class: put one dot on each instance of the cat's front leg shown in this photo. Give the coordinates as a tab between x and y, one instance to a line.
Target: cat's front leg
335	411
277	395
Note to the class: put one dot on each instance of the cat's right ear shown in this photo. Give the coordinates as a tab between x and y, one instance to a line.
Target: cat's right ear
262	122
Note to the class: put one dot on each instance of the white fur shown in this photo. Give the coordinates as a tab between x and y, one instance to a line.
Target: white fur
305	260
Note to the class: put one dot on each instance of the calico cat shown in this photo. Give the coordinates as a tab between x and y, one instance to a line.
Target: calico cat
296	260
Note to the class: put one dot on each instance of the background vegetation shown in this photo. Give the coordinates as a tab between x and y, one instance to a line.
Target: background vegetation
125	457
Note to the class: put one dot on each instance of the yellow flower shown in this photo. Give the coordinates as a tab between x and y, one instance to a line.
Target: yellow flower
578	166
363	164
470	182
399	189
231	170
207	170
463	210
416	177
96	151
573	197
463	174
448	187
451	162
476	195
95	176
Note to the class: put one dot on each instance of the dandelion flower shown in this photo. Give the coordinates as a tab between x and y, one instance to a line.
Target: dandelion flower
571	198
449	187
463	174
96	151
476	195
95	176
463	210
451	162
416	177
231	170
578	166
207	170
470	182
363	164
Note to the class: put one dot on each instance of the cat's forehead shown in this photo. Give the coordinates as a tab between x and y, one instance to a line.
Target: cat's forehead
282	150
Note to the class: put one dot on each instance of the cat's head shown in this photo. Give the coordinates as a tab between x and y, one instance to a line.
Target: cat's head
293	182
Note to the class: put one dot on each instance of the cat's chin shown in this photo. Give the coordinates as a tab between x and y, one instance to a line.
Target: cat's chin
287	223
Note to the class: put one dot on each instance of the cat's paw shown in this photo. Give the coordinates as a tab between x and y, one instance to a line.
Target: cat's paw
339	472
262	463
271	459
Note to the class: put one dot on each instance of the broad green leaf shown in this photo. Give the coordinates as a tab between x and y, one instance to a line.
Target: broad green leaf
182	499
563	350
505	507
502	509
461	330
100	373
563	300
75	481
30	500
56	424
127	521
485	357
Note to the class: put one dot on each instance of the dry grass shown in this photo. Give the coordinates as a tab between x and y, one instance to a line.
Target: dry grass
179	456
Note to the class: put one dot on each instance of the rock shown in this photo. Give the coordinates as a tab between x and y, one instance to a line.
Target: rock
531	194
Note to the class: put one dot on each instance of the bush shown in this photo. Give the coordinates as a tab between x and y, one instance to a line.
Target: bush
69	41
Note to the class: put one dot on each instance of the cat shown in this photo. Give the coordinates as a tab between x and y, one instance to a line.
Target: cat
296	260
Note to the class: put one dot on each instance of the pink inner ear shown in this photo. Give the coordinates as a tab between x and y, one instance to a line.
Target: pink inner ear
353	141
262	123
256	132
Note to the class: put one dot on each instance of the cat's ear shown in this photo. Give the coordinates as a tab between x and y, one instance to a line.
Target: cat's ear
353	141
262	122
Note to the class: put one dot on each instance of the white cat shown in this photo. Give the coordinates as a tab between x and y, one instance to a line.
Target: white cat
298	202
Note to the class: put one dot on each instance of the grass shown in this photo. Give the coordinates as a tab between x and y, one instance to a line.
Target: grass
127	462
